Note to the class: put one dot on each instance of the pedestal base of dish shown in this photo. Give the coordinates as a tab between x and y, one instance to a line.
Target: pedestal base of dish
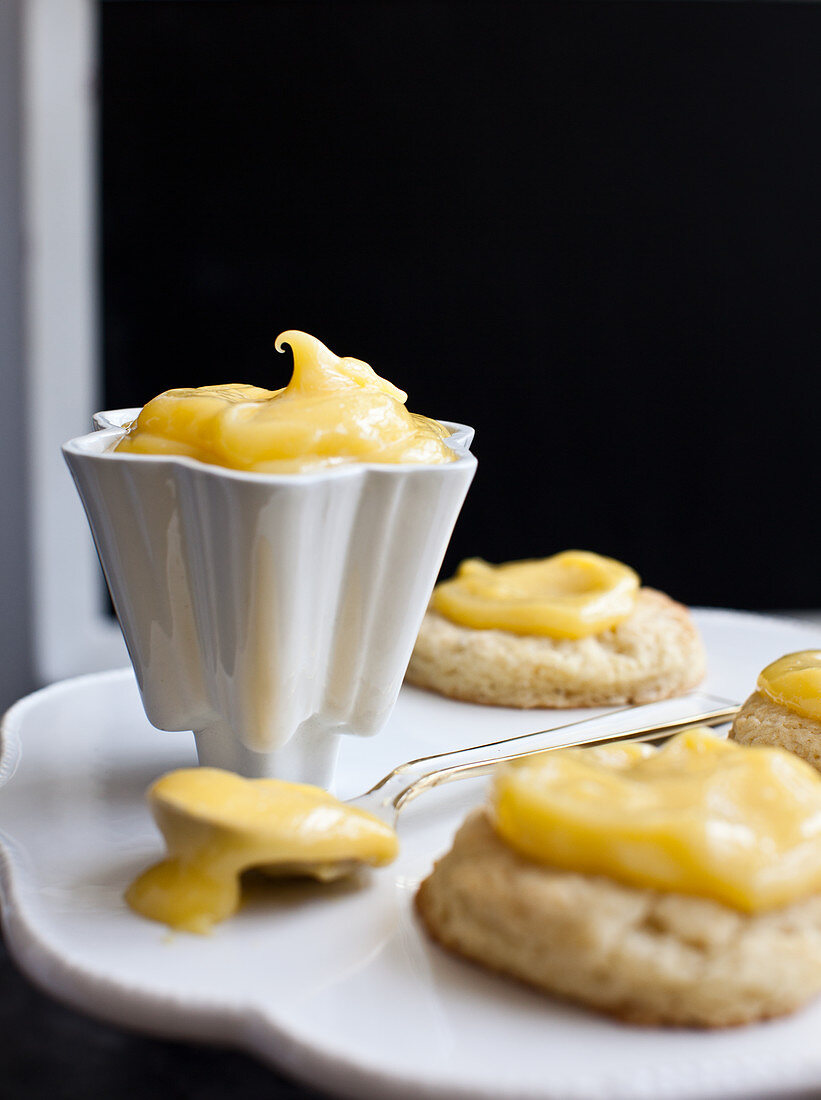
308	757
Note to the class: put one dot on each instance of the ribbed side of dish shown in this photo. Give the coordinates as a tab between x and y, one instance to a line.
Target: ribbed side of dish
272	605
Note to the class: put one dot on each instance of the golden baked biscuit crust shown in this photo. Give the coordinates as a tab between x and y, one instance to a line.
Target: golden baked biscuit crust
641	955
761	721
653	654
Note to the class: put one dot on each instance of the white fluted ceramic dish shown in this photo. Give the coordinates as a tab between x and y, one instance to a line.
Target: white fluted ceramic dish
268	613
337	985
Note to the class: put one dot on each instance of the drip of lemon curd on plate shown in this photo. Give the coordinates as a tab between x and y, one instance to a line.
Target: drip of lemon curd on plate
334	410
700	816
569	595
794	681
217	825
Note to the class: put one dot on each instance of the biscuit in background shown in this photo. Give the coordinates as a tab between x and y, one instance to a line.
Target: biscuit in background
655	653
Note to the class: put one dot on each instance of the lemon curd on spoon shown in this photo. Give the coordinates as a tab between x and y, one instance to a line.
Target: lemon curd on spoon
334	410
217	825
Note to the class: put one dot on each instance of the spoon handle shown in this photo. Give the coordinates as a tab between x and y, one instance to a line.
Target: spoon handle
648	722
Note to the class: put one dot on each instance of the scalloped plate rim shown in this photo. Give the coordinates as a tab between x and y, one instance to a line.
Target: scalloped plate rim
255	1030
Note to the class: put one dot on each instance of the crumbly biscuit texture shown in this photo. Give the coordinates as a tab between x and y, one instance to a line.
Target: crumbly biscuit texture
653	654
643	956
764	722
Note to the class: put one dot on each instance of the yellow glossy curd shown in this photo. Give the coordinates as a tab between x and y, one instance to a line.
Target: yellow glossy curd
569	595
700	816
217	825
333	410
795	682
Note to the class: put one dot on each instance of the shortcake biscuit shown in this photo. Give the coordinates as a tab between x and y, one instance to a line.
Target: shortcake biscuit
761	721
654	653
638	954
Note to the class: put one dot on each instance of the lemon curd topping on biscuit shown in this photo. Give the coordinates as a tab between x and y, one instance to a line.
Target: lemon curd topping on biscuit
574	594
794	681
217	825
334	410
700	816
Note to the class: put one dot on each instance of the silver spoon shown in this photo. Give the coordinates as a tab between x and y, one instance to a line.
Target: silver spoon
648	722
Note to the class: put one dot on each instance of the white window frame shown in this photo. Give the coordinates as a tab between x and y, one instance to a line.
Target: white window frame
73	632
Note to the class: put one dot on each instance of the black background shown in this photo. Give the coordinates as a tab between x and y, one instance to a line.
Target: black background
591	230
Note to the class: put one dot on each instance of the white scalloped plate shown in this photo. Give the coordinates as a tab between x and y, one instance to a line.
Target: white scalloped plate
336	985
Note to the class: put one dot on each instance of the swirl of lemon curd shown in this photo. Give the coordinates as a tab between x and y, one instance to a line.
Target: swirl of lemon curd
334	410
794	681
701	816
569	595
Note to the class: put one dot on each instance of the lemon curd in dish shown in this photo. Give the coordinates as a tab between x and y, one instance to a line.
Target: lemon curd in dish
334	410
700	816
569	595
217	825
